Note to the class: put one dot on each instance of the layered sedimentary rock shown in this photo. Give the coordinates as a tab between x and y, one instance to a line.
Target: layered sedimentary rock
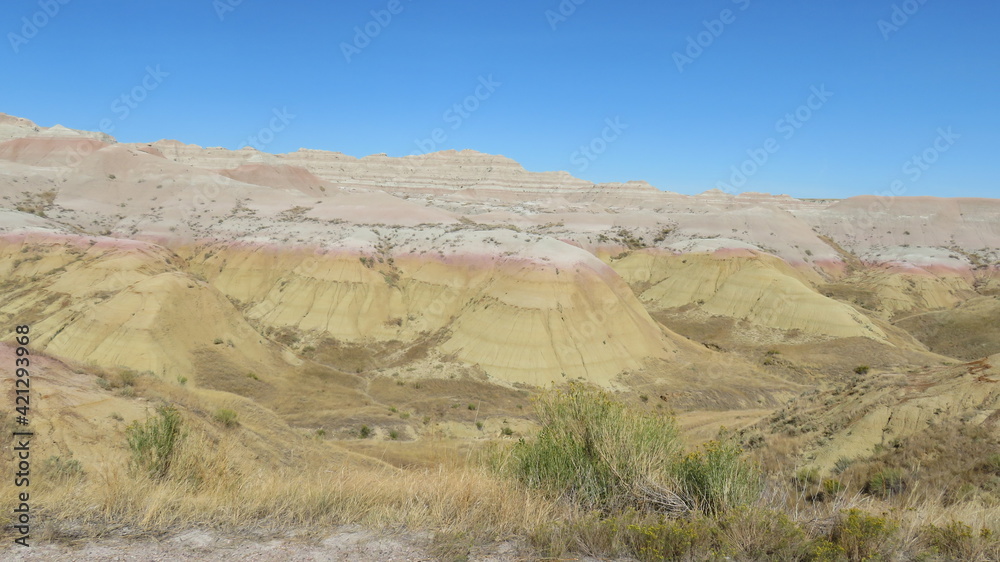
534	277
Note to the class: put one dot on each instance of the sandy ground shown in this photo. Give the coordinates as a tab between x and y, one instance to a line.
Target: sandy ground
345	544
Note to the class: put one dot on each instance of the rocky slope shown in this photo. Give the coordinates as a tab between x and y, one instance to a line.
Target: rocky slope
148	256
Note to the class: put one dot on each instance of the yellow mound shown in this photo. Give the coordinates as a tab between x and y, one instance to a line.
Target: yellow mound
757	288
520	320
120	303
153	325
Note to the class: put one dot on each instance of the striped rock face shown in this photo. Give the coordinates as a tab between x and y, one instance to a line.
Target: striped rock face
145	255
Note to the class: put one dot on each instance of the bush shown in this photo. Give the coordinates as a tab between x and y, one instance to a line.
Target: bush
717	478
128	377
226	417
57	468
832	487
672	539
807	477
842	464
599	453
957	541
604	455
991	465
861	369
885	483
365	432
863	536
154	442
753	534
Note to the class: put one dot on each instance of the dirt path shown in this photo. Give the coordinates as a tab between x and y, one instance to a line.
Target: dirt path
344	545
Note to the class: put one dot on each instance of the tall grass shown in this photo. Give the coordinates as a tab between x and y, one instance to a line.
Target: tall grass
154	441
598	452
717	478
602	454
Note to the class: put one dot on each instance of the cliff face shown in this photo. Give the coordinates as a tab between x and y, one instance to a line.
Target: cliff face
145	255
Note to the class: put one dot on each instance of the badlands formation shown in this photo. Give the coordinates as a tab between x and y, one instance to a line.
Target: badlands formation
313	289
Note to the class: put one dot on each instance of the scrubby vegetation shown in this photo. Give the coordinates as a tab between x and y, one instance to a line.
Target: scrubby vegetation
154	441
603	477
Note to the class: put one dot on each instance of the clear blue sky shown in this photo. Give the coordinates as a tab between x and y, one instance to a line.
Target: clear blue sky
556	83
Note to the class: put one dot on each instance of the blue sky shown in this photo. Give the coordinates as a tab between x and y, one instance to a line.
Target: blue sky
814	98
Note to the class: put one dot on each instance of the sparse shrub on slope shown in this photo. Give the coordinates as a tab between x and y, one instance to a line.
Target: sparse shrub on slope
860	536
605	455
958	541
153	443
886	483
717	478
598	452
226	417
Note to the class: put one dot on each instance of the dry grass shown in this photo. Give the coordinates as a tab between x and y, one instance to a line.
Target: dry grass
206	489
455	504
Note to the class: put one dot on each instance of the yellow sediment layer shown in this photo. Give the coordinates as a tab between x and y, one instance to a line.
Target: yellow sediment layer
520	320
757	288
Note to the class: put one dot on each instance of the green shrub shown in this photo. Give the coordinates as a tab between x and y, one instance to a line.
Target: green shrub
128	377
842	464
57	468
832	487
226	417
806	477
672	539
991	464
957	541
717	478
754	534
598	452
365	432
153	442
886	482
863	536
393	434
861	369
